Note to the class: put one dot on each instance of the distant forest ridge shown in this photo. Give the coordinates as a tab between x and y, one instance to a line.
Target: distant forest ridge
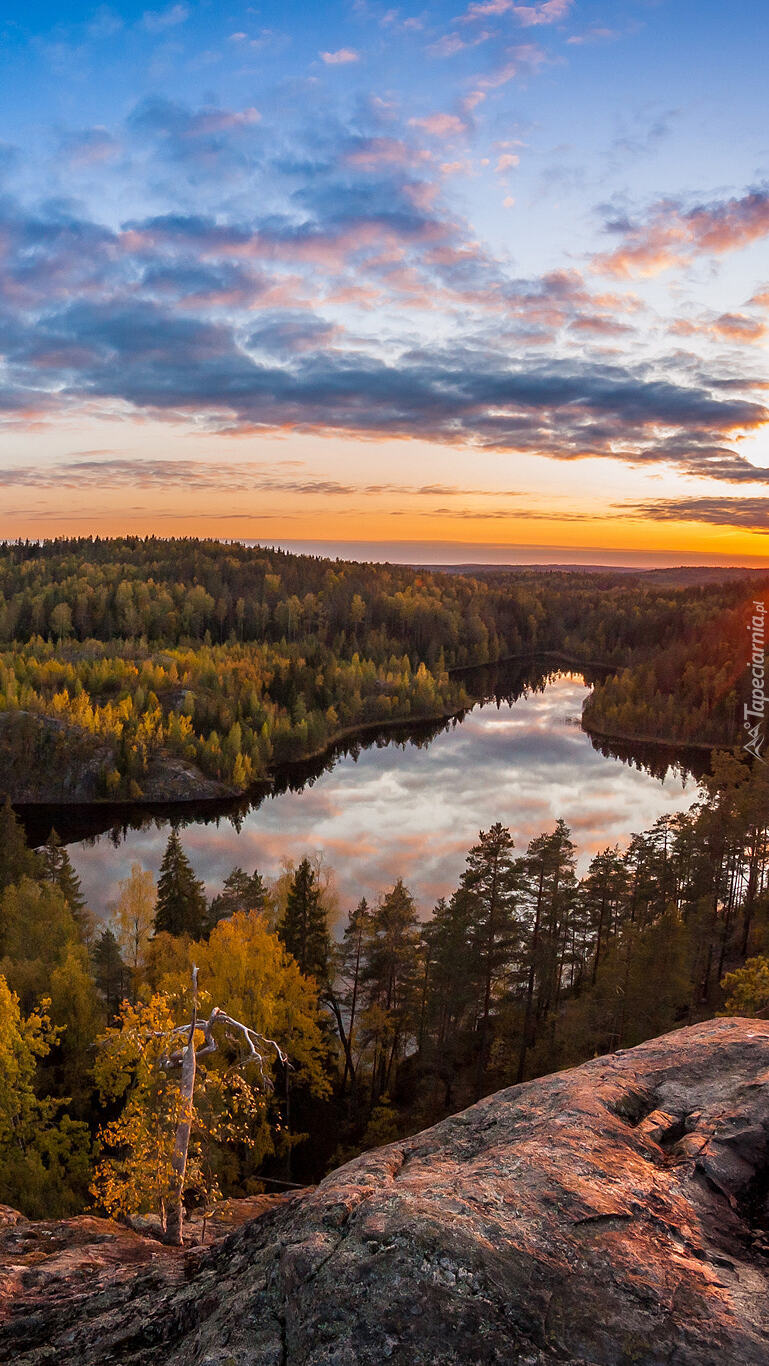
135	668
678	576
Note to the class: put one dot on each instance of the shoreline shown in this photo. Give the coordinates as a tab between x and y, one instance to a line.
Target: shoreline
262	786
660	742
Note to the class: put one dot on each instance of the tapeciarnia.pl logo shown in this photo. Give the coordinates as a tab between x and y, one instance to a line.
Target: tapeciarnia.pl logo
755	710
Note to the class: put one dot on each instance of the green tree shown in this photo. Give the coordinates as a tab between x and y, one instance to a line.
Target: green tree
36	928
548	894
110	972
490	880
181	901
44	1154
76	1009
240	892
303	927
16	859
747	989
57	869
390	978
344	996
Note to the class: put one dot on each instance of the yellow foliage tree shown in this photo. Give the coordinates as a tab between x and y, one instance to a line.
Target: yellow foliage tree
133	916
247	972
747	989
44	1154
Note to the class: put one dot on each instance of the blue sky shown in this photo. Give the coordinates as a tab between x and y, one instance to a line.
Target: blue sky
486	272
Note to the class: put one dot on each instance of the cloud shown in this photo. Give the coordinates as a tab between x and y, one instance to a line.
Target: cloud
593	35
168	119
158	21
89	147
343	57
91	470
451	43
251	311
546	12
138	353
672	235
738	328
373	153
524	60
205	143
549	12
447	46
749	514
440	125
288	334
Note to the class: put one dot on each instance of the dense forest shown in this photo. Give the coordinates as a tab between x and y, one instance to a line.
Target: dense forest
387	1025
122	658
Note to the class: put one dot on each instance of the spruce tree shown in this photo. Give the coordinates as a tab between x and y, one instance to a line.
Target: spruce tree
57	869
110	972
16	859
181	905
303	928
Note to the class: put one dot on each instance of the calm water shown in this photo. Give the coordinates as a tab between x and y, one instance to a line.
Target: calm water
413	808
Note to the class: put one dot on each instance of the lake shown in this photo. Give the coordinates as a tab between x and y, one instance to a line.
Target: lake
407	805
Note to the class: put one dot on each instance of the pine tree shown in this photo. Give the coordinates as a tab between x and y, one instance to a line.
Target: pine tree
548	893
453	986
304	928
240	892
490	880
390	983
181	905
603	893
344	999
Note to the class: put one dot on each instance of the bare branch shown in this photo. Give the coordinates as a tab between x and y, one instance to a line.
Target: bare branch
259	1046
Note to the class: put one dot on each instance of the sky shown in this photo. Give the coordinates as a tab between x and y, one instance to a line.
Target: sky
455	280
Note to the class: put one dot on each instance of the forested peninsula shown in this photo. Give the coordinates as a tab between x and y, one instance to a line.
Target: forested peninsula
144	669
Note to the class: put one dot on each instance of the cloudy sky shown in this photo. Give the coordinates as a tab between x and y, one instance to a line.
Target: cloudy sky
459	276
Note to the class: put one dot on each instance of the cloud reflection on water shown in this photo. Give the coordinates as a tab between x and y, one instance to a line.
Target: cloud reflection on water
411	811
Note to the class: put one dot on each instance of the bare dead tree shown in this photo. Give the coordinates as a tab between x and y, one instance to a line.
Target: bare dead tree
258	1049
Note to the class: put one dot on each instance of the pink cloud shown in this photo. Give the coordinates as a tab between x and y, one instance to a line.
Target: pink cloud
523	60
440	125
673	236
551	12
447	46
342	57
547	12
732	327
372	152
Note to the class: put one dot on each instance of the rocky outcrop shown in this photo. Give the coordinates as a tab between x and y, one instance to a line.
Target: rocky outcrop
43	760
611	1215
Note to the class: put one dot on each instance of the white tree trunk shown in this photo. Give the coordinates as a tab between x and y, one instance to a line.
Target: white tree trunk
182	1140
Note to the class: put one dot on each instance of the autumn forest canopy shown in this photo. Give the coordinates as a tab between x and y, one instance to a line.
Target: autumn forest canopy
123	662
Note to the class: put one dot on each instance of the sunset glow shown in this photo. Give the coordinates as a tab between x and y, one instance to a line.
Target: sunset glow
468	277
